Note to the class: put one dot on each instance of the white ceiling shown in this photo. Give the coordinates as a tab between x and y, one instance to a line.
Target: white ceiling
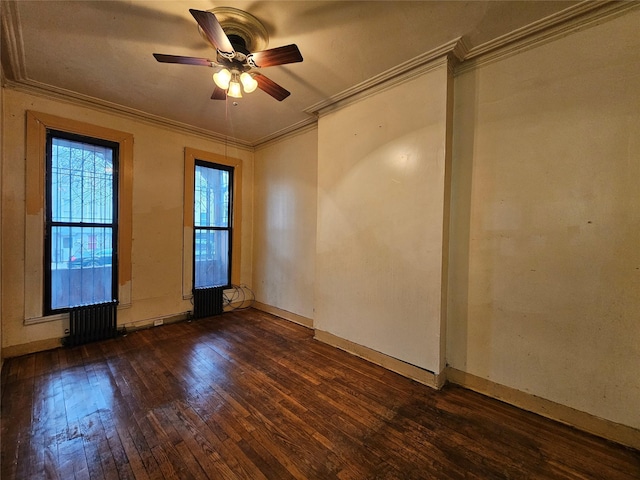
101	51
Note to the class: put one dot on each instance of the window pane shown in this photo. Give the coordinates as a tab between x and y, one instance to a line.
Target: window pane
211	197
211	256
81	266
81	182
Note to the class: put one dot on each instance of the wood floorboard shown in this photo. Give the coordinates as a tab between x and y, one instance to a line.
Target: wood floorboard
247	395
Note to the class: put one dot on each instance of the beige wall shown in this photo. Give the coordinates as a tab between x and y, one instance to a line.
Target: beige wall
381	187
158	167
545	252
285	202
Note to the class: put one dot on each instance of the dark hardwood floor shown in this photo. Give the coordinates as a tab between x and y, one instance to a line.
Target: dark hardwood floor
247	395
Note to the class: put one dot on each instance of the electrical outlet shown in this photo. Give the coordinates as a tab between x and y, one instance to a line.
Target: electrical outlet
158	322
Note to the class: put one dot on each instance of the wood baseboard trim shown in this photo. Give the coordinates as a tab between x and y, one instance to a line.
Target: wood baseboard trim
292	317
150	322
418	374
575	418
31	347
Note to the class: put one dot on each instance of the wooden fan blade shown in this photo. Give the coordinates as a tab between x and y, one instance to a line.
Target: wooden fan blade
275	56
272	88
213	30
161	57
219	94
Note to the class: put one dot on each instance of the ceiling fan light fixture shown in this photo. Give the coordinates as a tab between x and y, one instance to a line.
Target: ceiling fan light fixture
248	82
234	88
222	78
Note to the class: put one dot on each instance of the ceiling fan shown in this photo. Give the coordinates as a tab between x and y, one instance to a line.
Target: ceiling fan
233	37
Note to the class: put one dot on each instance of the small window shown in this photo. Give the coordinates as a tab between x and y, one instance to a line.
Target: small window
212	221
81	221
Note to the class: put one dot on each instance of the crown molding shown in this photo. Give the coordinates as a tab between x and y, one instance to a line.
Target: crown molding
298	128
452	51
12	42
563	23
457	55
74	98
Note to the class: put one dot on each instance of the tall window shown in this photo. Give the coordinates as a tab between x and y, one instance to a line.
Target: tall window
212	223
81	221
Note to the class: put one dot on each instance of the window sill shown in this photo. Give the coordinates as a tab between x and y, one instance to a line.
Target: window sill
58	317
48	318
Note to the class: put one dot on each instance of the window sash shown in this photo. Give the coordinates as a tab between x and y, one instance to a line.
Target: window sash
212	231
80	221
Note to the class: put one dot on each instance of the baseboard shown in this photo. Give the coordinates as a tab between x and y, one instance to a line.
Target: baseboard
405	369
292	317
31	347
581	420
151	322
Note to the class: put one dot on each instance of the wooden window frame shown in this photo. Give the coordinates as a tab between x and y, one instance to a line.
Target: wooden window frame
190	157
36	137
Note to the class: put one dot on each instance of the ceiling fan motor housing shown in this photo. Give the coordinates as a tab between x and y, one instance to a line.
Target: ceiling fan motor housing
243	26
